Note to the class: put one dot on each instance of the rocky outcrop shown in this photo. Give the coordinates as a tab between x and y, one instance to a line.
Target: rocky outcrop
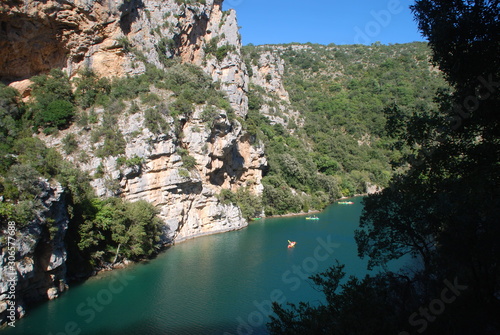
37	36
38	267
120	38
187	196
116	38
268	72
231	71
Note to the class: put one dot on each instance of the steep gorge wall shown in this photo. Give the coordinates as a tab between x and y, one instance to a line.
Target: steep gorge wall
40	255
36	36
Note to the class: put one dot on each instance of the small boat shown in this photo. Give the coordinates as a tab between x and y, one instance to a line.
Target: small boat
291	244
345	203
312	218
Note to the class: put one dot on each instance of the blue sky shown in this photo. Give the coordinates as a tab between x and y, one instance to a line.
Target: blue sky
325	21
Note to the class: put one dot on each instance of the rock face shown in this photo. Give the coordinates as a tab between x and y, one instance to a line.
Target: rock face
268	71
231	71
117	38
36	36
225	158
120	38
40	258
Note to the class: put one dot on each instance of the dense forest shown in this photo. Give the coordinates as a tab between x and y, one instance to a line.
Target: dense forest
443	208
345	95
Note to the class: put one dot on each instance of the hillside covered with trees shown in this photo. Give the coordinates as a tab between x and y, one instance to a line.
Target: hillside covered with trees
345	95
443	209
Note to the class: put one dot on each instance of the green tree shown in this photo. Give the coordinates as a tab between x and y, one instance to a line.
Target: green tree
444	208
89	88
57	113
26	180
53	104
114	229
48	88
139	234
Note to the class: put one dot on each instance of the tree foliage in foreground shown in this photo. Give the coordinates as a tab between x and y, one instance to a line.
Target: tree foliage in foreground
343	312
444	210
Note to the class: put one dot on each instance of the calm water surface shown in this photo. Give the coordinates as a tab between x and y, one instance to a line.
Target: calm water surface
219	284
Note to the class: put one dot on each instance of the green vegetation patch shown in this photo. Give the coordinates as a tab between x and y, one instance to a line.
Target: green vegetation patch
345	95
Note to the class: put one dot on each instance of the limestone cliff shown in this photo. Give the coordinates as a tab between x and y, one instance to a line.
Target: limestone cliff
122	38
268	70
37	36
40	258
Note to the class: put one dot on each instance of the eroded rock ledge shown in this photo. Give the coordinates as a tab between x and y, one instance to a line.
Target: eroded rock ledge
37	36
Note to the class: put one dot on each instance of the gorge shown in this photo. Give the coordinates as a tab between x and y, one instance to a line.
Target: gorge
76	35
219	284
173	111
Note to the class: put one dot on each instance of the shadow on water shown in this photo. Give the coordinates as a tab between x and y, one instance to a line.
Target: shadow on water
218	284
145	328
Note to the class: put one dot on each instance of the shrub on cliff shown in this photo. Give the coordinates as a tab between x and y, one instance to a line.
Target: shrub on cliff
223	51
155	121
53	104
70	143
188	161
90	88
57	113
114	143
11	124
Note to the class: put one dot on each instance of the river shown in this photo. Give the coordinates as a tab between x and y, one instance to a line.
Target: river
218	284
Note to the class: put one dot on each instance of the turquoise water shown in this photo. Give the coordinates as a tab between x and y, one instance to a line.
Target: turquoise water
219	284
